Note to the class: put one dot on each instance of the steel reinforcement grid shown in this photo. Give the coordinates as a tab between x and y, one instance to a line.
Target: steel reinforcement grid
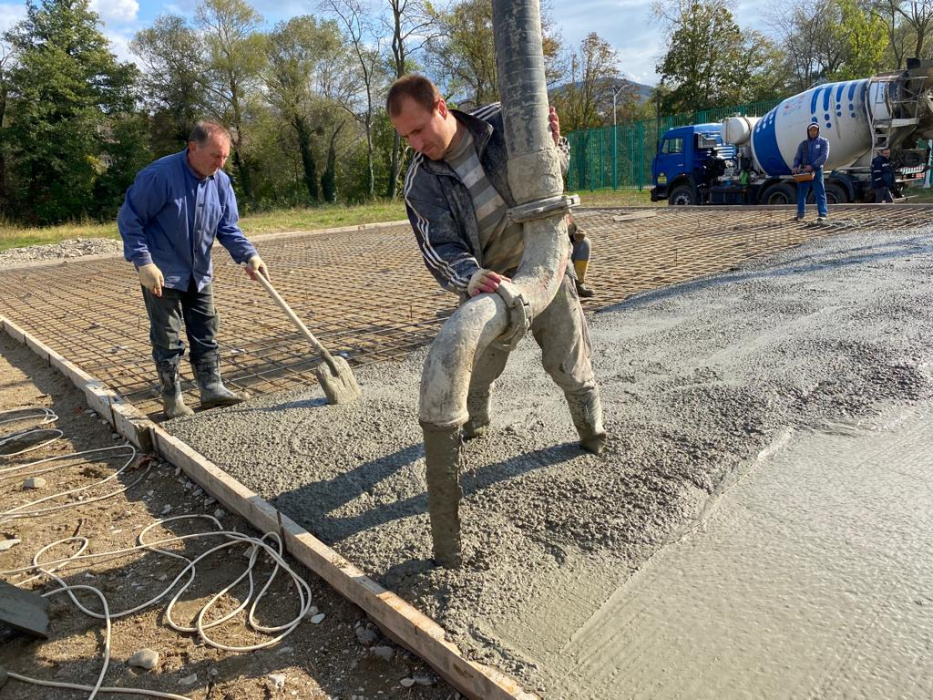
367	295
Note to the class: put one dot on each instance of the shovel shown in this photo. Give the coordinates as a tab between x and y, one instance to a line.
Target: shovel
334	374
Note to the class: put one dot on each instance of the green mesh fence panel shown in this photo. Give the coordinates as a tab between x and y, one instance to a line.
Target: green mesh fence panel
620	157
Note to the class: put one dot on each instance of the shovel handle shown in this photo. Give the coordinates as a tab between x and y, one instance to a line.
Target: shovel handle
297	321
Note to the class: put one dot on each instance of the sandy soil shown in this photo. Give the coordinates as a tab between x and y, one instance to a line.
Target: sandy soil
697	380
324	660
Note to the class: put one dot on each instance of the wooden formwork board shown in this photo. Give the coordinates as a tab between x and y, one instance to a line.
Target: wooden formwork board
398	619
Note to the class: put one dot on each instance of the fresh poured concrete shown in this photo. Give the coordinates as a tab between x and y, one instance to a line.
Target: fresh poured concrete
758	527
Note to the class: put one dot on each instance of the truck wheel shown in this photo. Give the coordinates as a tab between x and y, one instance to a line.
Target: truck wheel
682	195
835	194
780	194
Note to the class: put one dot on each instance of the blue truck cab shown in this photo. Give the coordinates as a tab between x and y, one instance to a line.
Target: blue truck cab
682	162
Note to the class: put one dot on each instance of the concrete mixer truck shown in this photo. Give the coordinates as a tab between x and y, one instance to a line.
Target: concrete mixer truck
748	160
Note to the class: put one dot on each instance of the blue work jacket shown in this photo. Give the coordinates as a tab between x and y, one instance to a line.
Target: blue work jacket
171	217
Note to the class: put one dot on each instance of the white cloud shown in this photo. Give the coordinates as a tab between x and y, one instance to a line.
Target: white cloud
120	45
11	14
117	11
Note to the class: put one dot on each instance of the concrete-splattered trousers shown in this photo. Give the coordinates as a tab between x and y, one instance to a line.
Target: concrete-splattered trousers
562	334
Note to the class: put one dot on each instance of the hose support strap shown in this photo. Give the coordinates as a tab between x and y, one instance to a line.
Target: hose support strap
543	208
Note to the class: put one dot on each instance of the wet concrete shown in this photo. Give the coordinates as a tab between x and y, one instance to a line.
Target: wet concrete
812	577
698	380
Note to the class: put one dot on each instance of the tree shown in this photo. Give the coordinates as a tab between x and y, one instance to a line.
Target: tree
235	59
594	77
411	24
367	48
828	40
709	61
908	24
462	51
67	88
6	63
173	57
296	52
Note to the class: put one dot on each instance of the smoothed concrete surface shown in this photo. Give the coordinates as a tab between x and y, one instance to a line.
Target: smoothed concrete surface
698	381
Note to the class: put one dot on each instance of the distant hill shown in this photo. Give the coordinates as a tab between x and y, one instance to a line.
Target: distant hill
644	91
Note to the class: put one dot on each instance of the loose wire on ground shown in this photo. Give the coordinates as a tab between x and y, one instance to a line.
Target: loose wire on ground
270	544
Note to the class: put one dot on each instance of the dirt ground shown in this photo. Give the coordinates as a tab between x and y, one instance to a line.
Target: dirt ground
323	660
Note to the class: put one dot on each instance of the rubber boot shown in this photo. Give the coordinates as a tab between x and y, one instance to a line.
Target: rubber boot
580	266
587	415
478	407
173	403
213	391
442	460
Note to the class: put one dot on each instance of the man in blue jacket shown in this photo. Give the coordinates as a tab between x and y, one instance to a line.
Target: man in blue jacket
457	195
172	213
810	158
882	177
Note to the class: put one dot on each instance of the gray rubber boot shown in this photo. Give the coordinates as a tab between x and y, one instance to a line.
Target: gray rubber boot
587	415
442	461
478	407
213	391
173	403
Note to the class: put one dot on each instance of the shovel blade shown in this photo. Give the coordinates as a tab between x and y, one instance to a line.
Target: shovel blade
339	386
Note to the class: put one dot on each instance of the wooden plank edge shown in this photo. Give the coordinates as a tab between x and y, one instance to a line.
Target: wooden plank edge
400	620
125	418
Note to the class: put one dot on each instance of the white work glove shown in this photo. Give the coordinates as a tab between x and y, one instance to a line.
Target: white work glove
484	281
254	266
151	278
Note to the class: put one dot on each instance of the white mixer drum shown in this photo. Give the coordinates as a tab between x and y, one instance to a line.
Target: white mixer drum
840	111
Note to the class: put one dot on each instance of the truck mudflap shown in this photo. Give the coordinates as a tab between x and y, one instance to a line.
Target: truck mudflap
657	196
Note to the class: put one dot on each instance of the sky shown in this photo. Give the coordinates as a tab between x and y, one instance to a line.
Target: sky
626	24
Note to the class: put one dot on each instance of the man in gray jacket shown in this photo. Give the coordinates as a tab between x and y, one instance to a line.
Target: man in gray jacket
457	195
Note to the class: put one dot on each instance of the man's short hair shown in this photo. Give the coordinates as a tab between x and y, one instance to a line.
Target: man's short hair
417	87
204	131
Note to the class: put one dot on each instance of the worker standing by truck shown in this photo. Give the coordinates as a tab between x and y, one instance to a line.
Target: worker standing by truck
811	156
882	177
173	212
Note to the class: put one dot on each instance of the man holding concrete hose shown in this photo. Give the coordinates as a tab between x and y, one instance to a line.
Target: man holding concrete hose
173	212
457	195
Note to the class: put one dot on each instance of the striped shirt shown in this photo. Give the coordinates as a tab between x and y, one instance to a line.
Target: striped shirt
502	240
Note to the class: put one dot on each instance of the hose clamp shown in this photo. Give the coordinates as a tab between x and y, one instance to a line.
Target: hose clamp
543	208
519	316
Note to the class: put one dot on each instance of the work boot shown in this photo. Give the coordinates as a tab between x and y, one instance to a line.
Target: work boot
587	415
478	407
213	391
442	472
583	291
173	403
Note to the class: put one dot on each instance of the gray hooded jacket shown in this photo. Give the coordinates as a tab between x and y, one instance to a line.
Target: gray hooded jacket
813	152
440	208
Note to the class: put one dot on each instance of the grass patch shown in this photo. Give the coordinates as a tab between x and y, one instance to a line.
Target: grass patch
331	216
618	198
12	236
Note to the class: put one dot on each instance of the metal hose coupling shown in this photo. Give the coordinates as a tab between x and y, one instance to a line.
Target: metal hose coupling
519	313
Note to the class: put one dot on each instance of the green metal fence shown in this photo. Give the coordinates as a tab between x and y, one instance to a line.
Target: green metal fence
620	157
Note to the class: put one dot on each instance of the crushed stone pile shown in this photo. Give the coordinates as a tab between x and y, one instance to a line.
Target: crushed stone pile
67	249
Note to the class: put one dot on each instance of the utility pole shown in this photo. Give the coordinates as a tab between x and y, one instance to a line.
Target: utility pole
615	135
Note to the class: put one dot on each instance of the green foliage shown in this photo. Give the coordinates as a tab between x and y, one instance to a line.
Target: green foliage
174	61
68	89
863	35
710	61
593	78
